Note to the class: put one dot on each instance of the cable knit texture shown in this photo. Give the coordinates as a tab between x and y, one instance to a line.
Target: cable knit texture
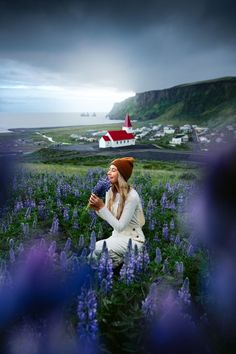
131	220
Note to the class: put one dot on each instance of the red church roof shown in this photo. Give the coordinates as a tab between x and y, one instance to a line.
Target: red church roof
106	138
127	122
117	135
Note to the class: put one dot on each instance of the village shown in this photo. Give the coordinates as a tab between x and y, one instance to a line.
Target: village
187	137
172	136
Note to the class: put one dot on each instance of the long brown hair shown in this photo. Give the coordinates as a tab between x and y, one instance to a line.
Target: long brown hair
123	188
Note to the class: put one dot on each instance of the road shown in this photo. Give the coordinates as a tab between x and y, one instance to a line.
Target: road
144	152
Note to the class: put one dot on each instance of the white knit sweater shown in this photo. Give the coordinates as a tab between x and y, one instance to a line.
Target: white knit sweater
131	220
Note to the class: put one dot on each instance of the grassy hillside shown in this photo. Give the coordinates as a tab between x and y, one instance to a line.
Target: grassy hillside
211	102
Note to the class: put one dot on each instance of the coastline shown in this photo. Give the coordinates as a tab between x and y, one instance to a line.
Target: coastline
31	121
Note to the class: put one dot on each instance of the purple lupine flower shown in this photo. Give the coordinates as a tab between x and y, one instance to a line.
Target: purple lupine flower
130	269
165	231
190	250
83	255
164	201
20	249
165	267
30	190
3	227
139	262
27	213
66	216
158	257
130	245
169	188
172	224
127	272
12	255
180	198
41	209
55	225
75	264
58	191
92	244
11	243
67	245
184	293
146	258
75	225
109	274
149	305
94	219
151	225
18	206
105	270
177	240
102	186
172	205
172	238
179	266
103	286
156	238
150	210
30	203
87	312
75	213
76	193
52	250
142	259
63	260
34	225
81	241
25	229
59	203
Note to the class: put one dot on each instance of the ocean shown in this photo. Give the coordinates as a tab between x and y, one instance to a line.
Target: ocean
38	120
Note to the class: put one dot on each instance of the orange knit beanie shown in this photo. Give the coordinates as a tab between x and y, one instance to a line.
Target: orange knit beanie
124	166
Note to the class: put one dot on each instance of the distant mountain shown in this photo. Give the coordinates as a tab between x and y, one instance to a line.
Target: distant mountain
212	102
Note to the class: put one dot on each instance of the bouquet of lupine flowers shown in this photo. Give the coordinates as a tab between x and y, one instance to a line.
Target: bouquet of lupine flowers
101	187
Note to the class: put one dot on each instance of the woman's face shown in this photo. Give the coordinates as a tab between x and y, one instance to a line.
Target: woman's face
113	174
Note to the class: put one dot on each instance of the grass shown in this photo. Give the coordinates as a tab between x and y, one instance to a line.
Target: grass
62	135
159	171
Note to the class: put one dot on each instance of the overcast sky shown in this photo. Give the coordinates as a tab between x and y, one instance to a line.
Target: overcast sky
69	55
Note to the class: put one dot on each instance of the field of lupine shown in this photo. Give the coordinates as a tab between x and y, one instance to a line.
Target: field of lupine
70	303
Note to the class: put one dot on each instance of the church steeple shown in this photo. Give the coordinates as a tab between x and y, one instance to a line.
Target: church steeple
127	125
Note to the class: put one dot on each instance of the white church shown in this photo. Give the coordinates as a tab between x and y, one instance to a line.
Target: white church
119	138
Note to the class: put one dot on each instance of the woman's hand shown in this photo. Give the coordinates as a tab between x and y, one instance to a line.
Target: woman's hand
95	202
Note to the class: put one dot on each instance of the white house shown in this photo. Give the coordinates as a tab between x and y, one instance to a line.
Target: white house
179	139
169	130
176	141
186	128
119	138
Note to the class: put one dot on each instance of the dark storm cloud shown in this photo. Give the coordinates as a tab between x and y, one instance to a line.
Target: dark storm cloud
135	45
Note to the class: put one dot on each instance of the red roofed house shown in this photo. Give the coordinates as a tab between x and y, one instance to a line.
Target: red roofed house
119	138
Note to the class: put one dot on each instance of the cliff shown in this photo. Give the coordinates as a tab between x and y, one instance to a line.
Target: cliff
199	102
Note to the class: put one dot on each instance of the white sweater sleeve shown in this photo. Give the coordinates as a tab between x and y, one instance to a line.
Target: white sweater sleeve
126	216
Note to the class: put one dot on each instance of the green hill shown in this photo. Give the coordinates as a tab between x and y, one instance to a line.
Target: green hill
211	102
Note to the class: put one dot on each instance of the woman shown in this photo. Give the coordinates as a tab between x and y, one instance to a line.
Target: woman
122	210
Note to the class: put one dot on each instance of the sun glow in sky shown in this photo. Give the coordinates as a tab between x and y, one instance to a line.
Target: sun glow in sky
24	88
26	98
